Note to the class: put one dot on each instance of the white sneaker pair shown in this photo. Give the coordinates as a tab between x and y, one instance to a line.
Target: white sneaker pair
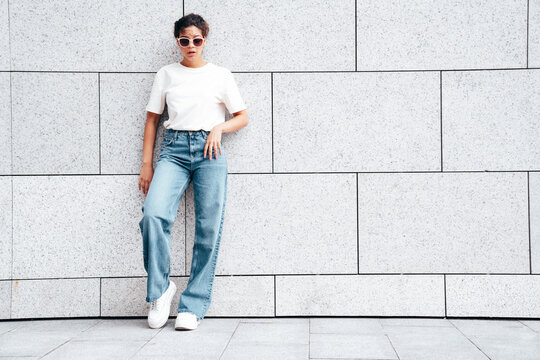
160	309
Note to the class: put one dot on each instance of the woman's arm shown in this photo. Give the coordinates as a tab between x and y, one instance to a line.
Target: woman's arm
150	130
238	121
213	142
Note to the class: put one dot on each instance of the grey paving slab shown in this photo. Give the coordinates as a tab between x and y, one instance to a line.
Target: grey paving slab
533	324
38	337
208	341
6	326
279	339
265	351
102	349
345	325
12	344
501	339
68	327
363	346
165	357
432	342
117	330
273	338
408	322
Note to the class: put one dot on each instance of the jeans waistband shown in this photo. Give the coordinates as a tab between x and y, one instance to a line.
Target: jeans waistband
186	132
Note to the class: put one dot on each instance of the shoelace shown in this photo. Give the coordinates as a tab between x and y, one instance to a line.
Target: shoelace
156	304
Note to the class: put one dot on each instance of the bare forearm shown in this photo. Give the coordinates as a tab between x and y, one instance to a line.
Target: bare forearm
235	123
150	130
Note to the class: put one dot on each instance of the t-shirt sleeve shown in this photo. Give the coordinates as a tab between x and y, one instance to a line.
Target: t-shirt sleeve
232	98
156	103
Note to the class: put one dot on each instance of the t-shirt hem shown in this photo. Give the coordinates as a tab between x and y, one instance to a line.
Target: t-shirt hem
236	110
154	111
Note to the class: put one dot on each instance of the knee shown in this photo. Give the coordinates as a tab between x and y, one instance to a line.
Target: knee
155	212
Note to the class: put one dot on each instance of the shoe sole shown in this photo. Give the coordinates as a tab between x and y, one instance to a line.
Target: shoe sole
186	327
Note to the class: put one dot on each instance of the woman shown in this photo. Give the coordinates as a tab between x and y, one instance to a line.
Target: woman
196	93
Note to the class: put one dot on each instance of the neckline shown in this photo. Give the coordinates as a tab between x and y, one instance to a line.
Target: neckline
187	68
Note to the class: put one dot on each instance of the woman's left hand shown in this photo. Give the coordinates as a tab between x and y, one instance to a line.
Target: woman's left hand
213	142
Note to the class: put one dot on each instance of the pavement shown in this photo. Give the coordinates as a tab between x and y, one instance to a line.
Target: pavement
276	338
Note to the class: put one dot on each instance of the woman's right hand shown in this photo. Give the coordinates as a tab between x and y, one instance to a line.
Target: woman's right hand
147	172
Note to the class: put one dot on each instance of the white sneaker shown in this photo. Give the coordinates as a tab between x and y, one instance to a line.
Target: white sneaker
186	321
160	309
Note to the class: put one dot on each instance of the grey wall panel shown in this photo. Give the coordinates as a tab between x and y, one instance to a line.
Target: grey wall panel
433	35
92	35
390	162
82	226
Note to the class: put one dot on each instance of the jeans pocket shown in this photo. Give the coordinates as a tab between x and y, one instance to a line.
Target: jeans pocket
168	139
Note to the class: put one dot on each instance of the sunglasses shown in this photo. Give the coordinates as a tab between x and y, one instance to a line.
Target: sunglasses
184	41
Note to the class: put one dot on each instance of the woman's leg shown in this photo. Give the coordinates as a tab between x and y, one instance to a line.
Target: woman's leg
210	191
160	208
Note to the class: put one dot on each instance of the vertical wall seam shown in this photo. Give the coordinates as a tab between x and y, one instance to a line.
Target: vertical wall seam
99	121
11	167
355	35
527	48
529	221
275	297
357	231
440	117
272	114
445	290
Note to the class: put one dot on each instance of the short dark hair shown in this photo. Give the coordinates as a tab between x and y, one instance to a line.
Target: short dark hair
188	20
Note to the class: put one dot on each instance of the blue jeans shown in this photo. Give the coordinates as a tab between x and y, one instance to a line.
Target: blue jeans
180	161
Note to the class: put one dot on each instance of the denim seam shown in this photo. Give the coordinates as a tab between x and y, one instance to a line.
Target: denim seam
167	141
170	212
214	258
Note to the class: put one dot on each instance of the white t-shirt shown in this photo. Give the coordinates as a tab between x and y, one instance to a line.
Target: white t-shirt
196	97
